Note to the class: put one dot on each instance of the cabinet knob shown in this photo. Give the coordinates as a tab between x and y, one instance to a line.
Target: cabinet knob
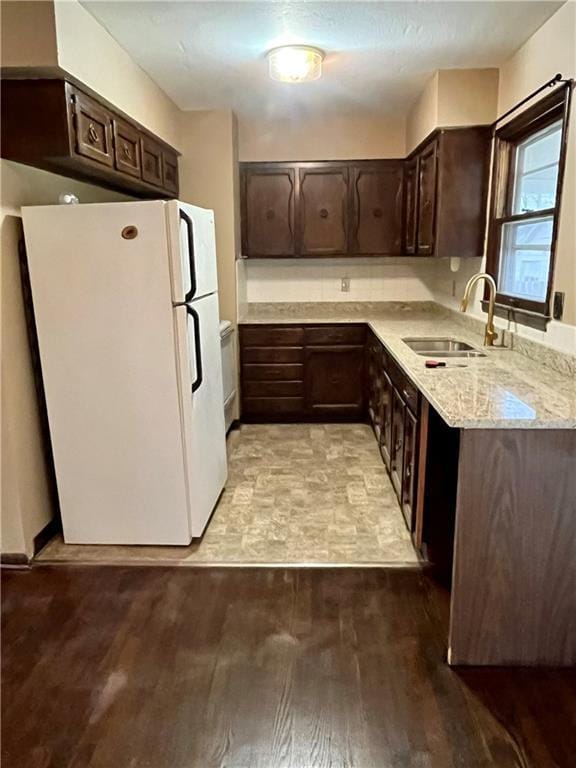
377	213
270	214
92	134
126	150
323	213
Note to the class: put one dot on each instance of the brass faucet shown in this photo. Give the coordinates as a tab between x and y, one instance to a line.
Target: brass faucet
490	334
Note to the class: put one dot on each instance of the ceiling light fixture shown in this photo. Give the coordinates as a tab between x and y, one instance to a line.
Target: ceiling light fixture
295	63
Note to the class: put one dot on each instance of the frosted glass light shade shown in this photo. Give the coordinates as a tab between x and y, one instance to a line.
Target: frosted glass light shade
295	63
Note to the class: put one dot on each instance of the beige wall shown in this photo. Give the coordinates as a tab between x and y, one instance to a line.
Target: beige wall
26	507
28	34
453	97
336	137
87	51
550	50
208	177
423	117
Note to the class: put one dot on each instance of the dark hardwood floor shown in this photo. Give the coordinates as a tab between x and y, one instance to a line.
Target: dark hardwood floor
259	668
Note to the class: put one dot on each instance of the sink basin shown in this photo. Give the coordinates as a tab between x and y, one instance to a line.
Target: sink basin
442	347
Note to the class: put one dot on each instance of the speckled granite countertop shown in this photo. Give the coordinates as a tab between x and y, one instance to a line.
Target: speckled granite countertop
504	390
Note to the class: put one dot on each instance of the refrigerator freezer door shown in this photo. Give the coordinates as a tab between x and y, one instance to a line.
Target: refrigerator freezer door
192	251
202	410
105	325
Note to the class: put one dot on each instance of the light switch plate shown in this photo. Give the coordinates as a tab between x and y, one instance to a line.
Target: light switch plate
345	285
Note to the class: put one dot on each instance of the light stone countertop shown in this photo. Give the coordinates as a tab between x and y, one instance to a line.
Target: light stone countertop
504	390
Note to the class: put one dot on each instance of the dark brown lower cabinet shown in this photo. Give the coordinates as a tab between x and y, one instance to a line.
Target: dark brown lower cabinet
302	373
386	418
334	382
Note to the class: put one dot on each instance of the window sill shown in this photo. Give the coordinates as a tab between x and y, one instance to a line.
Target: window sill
521	316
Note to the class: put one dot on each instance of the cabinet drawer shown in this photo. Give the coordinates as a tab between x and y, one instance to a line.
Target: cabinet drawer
335	334
93	130
151	161
127	149
269	372
272	407
272	355
273	389
266	336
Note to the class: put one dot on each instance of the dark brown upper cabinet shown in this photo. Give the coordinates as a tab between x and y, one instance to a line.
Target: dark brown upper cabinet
268	199
55	125
445	193
426	201
323	208
433	203
377	208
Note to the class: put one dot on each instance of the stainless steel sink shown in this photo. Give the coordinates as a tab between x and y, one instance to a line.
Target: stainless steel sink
442	347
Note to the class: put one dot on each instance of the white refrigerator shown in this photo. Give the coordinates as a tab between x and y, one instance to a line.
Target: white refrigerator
125	300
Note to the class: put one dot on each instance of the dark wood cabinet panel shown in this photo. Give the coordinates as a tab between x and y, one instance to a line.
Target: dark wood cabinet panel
272	371
377	208
273	355
273	389
268	199
151	160
426	201
387	395
273	408
410	206
170	171
271	336
409	468
56	126
334	381
397	443
323	211
92	129
335	334
127	149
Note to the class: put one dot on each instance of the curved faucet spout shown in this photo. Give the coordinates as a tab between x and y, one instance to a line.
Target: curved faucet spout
490	334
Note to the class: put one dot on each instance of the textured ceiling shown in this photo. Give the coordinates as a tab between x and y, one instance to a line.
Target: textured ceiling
210	55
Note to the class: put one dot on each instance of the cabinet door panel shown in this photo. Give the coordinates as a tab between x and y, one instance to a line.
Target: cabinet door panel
151	161
426	201
410	206
323	211
397	447
409	468
170	171
127	149
386	414
378	209
268	212
334	382
93	128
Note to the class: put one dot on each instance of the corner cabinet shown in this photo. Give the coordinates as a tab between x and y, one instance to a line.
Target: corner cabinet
55	125
321	209
445	193
433	203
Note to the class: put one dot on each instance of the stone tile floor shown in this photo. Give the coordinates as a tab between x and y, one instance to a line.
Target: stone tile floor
296	494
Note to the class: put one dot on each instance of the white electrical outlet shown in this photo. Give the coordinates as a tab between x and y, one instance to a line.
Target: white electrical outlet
345	285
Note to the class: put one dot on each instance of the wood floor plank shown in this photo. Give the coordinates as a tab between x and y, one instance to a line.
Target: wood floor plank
124	667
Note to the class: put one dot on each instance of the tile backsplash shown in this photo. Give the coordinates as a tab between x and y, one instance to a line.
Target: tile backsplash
370	279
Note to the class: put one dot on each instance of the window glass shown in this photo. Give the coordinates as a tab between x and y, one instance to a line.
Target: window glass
536	170
525	258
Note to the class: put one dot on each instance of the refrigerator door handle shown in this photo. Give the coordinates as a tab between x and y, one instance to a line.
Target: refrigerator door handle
197	347
190	233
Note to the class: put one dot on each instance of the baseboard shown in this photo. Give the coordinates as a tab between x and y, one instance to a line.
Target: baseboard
234	425
48	532
14	560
